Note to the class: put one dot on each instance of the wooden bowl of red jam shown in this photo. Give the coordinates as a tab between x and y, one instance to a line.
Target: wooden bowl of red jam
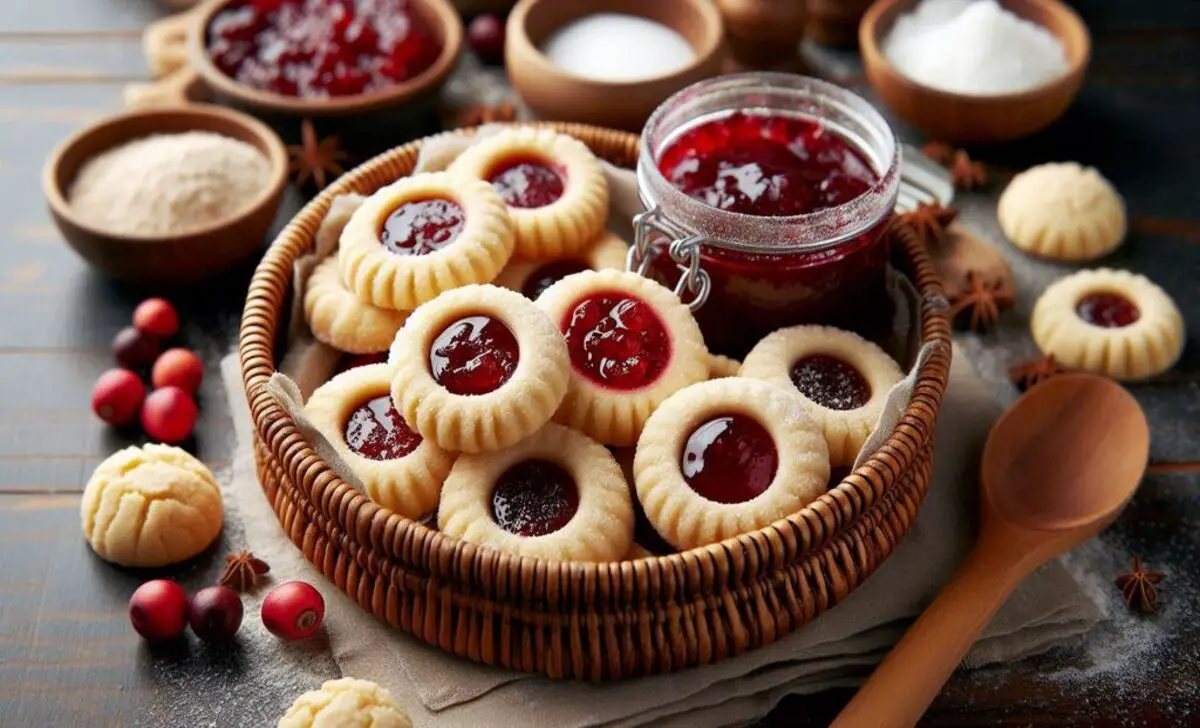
767	195
324	57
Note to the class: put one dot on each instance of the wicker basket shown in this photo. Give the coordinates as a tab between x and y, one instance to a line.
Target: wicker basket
576	620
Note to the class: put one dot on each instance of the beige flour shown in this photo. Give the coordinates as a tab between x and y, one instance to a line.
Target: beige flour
168	183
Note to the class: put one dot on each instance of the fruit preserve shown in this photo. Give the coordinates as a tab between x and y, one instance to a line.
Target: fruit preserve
321	48
774	190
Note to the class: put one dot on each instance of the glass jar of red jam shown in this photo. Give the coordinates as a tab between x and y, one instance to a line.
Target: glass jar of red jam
766	199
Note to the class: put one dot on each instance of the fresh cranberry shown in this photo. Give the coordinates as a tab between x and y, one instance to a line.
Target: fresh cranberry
1107	310
547	275
729	459
159	610
117	396
178	368
616	340
830	382
376	431
135	349
156	316
527	182
215	613
486	36
169	415
421	227
534	498
293	611
474	355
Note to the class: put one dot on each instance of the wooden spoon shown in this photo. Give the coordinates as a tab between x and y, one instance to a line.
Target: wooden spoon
1057	468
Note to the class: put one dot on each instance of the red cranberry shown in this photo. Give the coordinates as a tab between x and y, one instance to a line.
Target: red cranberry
215	613
169	415
156	316
486	36
293	611
178	368
135	349
117	396
159	610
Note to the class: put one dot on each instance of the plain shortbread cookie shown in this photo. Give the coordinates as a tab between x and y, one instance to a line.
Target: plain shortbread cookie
1062	211
346	703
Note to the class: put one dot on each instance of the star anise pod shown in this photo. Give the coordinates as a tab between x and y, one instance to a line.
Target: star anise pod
939	152
1138	587
485	114
1028	375
930	222
242	571
979	306
966	174
318	160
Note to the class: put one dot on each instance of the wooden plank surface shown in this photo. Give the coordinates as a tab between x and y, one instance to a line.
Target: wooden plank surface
67	656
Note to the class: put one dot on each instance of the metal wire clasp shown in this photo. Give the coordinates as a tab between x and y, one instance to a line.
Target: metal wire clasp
651	231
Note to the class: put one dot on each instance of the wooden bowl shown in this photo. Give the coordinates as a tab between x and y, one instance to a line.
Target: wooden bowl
180	257
590	621
557	94
954	117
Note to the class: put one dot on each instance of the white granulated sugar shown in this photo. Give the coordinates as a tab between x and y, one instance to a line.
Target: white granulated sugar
168	183
973	47
617	47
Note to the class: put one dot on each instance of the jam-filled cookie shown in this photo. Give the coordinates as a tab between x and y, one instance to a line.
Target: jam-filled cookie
337	317
398	468
532	277
557	495
1062	211
728	456
632	344
554	187
422	235
720	366
479	369
843	378
1110	322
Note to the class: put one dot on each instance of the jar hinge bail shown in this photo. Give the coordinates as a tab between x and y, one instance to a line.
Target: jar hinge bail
685	252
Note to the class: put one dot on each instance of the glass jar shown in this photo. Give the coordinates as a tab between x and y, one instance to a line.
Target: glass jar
746	275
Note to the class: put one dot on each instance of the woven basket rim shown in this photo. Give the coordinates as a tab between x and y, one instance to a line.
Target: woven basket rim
778	544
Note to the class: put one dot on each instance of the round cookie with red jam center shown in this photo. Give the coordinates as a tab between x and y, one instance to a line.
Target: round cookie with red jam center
337	317
632	344
399	469
843	378
554	187
725	457
531	278
556	495
479	369
1109	322
422	235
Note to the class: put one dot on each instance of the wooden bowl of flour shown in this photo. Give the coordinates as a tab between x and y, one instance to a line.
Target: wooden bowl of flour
963	118
188	256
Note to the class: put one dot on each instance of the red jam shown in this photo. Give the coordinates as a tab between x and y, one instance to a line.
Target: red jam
547	275
1107	310
534	498
729	459
321	48
474	355
766	165
617	341
376	431
774	165
830	382
422	226
526	182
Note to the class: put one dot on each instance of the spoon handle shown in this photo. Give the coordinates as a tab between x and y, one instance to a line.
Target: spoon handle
910	677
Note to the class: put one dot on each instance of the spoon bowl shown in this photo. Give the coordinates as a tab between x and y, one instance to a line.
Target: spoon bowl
1057	468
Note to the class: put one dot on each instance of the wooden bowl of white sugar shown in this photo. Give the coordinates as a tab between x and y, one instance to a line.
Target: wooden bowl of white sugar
975	72
609	62
168	195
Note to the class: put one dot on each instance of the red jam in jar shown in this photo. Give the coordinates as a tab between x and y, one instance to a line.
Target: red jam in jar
321	48
790	183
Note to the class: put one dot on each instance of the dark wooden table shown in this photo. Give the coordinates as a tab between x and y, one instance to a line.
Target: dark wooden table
67	655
